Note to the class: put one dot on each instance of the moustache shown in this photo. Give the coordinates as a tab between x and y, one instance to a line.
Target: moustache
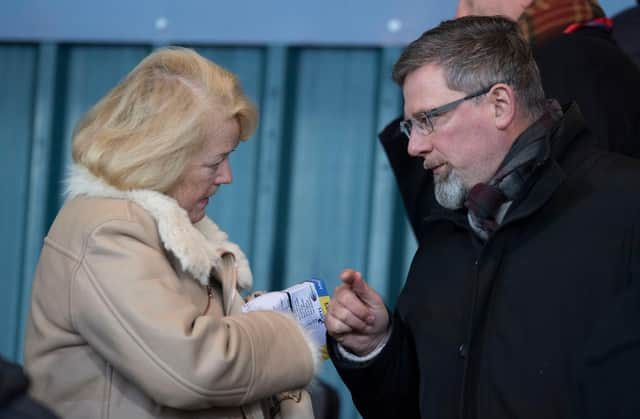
432	165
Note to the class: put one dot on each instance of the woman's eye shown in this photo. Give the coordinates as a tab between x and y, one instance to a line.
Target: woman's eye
216	164
213	166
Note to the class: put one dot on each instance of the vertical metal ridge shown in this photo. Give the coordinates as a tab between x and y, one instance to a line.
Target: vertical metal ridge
384	190
17	75
268	176
39	172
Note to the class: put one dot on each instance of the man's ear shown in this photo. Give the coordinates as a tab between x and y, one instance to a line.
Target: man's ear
503	103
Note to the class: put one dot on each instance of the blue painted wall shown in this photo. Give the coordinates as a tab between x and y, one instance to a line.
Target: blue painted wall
336	22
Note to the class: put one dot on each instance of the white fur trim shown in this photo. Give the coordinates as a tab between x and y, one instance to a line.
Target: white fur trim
198	247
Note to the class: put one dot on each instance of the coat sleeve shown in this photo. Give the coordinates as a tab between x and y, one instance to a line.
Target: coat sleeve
414	182
386	386
133	309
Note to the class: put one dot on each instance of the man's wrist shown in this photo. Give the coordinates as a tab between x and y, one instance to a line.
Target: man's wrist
350	356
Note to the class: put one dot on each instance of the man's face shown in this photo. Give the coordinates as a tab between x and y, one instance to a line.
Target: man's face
464	148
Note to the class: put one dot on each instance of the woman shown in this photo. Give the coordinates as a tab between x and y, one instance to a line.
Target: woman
135	308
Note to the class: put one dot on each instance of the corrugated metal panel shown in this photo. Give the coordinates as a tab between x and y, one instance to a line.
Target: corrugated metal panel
312	190
17	80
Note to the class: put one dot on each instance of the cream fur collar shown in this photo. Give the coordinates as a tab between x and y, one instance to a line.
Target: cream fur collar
198	247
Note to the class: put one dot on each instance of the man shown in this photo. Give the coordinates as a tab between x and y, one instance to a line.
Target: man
15	403
522	300
578	60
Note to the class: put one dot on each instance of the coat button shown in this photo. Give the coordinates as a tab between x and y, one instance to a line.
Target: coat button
463	351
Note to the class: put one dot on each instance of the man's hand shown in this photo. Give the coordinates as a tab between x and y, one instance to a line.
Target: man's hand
357	317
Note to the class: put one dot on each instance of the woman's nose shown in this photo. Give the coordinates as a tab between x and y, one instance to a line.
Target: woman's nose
224	175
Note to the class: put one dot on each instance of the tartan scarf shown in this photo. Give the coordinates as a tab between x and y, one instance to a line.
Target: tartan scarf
545	19
485	200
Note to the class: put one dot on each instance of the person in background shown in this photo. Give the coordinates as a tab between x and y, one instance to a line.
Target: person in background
522	300
626	31
135	308
578	60
15	403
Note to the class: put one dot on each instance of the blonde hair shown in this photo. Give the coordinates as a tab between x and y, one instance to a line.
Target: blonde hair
143	133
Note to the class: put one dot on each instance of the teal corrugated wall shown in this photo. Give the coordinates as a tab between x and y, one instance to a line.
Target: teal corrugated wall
312	191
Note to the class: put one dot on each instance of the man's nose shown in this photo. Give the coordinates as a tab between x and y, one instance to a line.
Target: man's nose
418	144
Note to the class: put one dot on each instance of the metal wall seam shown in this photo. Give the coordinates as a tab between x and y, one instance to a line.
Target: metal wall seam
39	171
268	179
17	73
380	245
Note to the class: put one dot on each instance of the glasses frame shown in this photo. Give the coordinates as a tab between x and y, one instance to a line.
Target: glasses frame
423	120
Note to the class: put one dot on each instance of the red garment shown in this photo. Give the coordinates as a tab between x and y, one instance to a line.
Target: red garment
544	19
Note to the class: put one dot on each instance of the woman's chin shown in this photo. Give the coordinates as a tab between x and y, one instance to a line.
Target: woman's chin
196	215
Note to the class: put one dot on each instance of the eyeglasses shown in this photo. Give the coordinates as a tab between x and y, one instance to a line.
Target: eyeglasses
423	120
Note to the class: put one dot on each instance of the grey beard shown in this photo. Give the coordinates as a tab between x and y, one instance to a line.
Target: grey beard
450	192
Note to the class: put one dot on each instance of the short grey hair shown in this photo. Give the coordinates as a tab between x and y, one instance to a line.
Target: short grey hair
476	52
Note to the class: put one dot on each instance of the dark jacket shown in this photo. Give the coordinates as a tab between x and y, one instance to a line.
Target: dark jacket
14	401
541	321
587	66
626	32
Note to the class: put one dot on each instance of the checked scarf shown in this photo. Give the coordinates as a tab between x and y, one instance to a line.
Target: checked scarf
486	201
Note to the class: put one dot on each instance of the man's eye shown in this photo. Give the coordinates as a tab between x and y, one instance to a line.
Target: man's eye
422	120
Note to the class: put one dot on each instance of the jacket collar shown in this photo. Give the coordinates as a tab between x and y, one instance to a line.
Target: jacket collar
198	247
563	159
567	152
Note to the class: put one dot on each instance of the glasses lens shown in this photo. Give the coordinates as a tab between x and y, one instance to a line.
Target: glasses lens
423	123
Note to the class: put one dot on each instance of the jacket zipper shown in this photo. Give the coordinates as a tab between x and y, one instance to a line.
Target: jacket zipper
466	344
209	297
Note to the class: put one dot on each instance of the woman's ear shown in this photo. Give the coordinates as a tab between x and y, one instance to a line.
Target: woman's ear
502	99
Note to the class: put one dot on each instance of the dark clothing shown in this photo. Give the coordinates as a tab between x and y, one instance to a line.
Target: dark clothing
415	183
587	66
626	32
541	321
14	401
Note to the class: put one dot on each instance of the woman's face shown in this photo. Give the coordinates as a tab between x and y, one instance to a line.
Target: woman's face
207	170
